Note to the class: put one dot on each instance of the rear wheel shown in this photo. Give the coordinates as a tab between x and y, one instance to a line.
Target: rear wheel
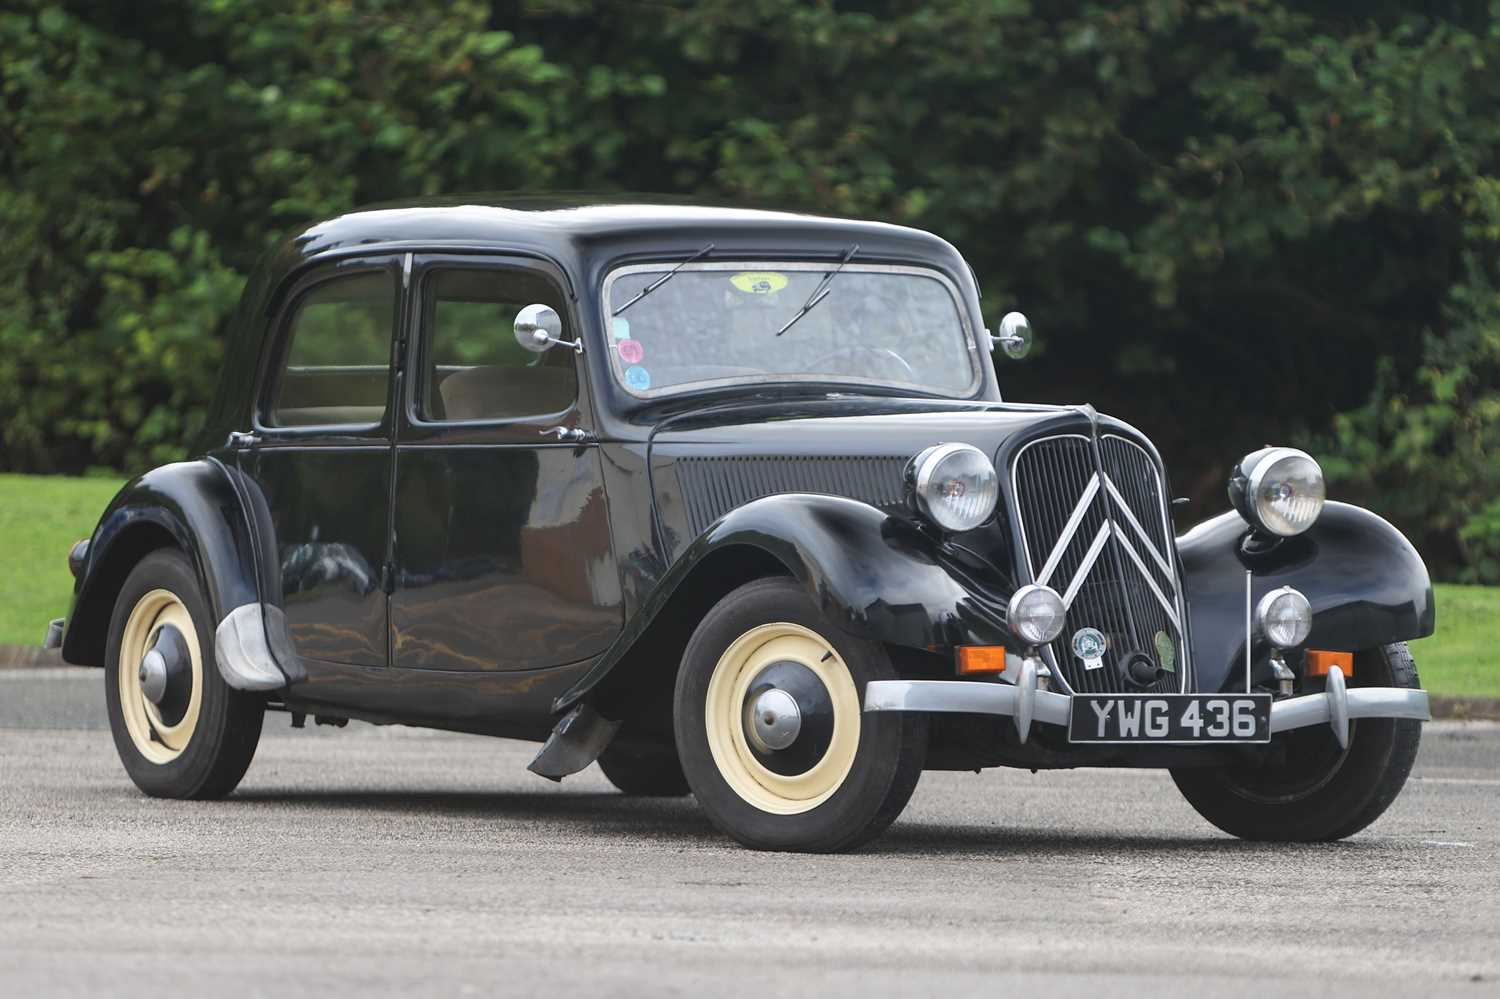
646	771
770	730
180	730
1320	791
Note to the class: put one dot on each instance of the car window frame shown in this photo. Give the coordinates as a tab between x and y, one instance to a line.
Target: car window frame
972	346
278	346
417	428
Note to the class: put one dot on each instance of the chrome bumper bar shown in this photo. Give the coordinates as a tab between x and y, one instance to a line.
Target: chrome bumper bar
1024	702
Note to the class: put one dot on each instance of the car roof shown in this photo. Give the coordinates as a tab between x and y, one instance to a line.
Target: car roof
578	230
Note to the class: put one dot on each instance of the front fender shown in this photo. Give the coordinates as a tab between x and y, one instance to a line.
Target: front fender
189	505
1367	585
872	574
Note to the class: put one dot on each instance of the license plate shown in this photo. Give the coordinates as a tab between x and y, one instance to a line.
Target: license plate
1170	718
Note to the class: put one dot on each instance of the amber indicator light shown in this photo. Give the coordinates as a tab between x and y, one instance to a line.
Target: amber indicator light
1319	662
981	659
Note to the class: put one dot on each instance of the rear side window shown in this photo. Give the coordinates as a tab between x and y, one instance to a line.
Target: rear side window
338	360
472	367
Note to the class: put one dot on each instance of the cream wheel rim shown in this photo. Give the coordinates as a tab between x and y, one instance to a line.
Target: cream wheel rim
729	720
155	739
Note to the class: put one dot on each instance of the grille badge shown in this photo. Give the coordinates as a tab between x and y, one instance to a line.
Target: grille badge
1089	644
1166	652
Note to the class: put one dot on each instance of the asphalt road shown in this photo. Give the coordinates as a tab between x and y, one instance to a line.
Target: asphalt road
396	859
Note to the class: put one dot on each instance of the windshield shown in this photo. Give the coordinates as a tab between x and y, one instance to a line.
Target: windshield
717	323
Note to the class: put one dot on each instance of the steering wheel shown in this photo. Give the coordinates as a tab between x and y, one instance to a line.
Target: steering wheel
884	355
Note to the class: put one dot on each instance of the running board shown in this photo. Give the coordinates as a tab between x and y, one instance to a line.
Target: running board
576	742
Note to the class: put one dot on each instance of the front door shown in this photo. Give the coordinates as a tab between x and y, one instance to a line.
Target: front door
501	554
325	420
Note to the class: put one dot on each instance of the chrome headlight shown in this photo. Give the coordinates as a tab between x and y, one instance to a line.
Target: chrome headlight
1036	614
955	486
1279	490
1285	617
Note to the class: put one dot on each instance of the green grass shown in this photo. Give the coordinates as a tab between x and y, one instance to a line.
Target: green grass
41	517
1463	658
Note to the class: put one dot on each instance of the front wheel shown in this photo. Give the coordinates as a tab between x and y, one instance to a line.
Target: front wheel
180	730
770	730
1318	791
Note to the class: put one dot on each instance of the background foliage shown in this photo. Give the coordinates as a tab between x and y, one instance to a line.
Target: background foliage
1233	221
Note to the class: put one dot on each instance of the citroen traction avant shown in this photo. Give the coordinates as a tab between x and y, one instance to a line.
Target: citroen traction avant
729	502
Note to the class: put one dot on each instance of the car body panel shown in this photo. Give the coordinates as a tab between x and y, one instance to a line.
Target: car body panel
191	505
1366	583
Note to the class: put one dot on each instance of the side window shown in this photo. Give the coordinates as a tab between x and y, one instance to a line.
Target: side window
337	365
472	367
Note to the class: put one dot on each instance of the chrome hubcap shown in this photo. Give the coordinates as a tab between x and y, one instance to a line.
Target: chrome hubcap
153	676
775	720
164	672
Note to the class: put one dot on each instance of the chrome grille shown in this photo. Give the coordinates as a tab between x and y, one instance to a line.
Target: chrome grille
1099	536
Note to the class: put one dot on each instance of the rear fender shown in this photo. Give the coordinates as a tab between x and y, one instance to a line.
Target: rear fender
1366	583
872	574
190	506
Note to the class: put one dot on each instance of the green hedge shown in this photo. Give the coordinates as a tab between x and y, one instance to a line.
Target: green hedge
1231	221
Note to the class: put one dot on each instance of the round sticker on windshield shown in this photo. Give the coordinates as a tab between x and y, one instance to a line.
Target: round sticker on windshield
759	282
620	328
631	351
637	378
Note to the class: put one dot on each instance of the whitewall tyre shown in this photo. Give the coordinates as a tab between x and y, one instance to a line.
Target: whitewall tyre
180	730
770	731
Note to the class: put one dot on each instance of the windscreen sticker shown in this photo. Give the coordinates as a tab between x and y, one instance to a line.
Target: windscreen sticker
631	351
637	378
620	328
759	282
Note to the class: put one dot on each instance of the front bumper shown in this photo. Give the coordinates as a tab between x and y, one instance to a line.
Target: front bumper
1024	702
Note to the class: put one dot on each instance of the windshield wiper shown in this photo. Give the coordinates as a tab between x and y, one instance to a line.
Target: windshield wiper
821	291
664	279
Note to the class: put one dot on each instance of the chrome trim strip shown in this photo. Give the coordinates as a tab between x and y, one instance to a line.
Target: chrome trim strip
1166	570
1087	565
1065	539
1140	564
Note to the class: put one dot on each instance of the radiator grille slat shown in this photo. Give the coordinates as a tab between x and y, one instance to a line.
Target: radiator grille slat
711	487
1050	478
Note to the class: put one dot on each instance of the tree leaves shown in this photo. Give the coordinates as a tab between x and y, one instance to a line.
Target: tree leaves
1232	221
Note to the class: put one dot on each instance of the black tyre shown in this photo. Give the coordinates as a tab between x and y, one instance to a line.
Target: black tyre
1320	792
180	730
770	730
644	770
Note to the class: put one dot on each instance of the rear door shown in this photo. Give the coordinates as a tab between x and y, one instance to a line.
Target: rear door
502	557
325	419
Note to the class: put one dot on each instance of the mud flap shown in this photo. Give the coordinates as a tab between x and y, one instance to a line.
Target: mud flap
576	742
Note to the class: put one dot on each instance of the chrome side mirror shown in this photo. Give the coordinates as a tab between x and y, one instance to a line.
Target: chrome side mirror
539	329
1014	336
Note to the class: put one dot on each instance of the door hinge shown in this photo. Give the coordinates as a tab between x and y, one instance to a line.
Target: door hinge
388	577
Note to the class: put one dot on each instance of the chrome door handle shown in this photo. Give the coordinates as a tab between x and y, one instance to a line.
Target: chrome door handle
575	435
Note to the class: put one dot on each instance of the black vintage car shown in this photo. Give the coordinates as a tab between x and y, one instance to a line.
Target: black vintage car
730	502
